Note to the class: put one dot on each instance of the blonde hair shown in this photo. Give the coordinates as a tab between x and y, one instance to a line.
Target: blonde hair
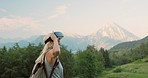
48	45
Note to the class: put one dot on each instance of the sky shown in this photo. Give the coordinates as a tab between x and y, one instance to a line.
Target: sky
25	18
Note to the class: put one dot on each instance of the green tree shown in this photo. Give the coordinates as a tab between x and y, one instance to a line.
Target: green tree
106	57
11	63
67	60
120	58
18	62
89	63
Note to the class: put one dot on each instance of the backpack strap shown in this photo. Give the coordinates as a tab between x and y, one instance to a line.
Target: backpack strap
45	70
37	67
54	66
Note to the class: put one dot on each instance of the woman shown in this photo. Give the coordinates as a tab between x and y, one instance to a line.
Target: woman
49	57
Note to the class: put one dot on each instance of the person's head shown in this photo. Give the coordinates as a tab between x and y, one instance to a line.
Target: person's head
59	35
49	42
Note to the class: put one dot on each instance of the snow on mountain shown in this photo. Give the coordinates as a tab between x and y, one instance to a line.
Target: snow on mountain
114	31
106	37
110	35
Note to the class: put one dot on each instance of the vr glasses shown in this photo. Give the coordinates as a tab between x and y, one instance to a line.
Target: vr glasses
59	34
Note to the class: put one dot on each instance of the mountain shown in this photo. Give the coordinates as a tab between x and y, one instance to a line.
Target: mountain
114	31
32	38
75	43
110	35
7	42
106	37
129	45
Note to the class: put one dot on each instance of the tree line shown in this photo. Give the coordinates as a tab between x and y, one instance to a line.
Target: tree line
129	55
18	62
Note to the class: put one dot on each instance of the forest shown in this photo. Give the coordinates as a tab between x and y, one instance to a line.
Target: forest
18	62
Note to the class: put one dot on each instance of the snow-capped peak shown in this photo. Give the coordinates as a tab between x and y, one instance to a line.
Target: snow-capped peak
114	31
113	24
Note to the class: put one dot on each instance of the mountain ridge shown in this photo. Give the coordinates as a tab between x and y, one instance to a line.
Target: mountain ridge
105	37
115	31
129	44
110	35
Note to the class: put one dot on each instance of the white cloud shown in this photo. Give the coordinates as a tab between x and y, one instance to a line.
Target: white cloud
2	10
20	27
60	10
7	24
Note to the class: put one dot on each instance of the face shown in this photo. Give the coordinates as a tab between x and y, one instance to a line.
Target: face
59	41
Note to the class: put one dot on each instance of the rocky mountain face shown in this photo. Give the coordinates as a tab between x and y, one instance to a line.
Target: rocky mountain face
110	35
106	37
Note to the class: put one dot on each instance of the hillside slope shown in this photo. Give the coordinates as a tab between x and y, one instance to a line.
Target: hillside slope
128	45
137	69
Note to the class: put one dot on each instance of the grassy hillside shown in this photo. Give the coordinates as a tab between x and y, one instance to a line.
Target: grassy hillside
129	45
137	69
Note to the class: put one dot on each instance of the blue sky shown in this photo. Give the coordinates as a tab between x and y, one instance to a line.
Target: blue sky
24	18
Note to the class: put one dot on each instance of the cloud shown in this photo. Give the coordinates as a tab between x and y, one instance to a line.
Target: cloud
20	27
60	10
7	24
2	10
